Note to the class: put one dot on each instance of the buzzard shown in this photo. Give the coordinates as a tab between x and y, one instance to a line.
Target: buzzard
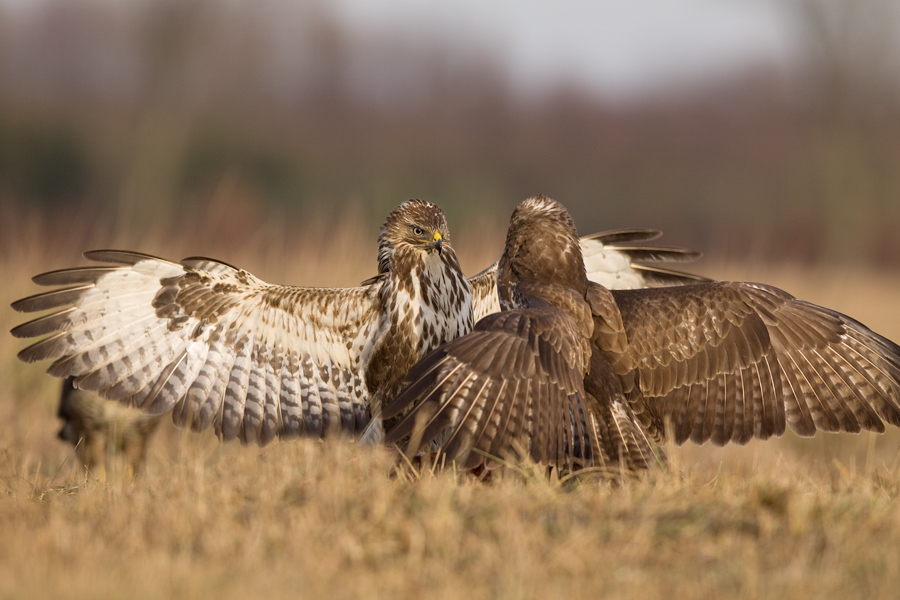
219	347
572	374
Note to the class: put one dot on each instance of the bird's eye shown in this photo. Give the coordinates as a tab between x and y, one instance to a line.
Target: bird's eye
418	231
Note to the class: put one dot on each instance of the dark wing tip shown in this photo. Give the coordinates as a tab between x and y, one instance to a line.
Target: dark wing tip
42	325
74	276
51	299
201	262
122	257
374	279
619	236
667	277
658	253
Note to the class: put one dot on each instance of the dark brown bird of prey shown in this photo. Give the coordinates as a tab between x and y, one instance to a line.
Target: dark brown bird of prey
220	347
103	432
572	374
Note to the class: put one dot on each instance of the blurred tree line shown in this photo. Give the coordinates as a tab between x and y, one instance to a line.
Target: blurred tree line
139	111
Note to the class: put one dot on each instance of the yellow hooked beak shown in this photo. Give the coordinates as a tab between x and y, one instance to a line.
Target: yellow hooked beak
437	241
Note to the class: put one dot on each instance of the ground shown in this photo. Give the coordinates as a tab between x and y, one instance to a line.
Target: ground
799	518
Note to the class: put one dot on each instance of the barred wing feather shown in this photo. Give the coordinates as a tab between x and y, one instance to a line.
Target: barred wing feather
730	361
213	343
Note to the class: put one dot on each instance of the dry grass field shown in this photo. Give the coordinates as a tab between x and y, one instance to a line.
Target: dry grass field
792	518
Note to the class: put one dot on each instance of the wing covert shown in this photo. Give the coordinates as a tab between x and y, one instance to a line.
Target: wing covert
732	361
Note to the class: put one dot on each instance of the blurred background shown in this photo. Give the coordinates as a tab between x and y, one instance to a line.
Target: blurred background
744	128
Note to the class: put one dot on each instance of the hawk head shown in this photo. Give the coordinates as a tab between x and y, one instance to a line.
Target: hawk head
415	227
541	245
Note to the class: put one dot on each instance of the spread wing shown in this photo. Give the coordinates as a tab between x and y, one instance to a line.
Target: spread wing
514	383
732	361
612	259
213	342
618	260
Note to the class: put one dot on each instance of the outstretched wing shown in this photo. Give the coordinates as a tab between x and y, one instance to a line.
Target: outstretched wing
213	342
613	259
618	260
514	383
732	361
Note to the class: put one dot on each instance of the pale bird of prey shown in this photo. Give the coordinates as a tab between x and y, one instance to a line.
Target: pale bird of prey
104	432
219	347
571	374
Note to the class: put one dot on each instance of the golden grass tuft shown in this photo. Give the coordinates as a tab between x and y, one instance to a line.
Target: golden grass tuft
799	518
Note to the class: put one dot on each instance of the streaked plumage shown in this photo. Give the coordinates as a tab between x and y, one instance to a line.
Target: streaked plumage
573	374
103	432
220	347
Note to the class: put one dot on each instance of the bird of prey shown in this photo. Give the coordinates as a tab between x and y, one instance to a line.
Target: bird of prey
219	347
103	431
573	374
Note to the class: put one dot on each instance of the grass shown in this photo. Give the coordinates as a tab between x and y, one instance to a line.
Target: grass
792	517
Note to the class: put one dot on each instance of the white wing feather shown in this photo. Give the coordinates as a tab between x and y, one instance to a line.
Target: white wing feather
212	342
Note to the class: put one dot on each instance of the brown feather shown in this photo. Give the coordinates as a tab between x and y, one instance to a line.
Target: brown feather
598	373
